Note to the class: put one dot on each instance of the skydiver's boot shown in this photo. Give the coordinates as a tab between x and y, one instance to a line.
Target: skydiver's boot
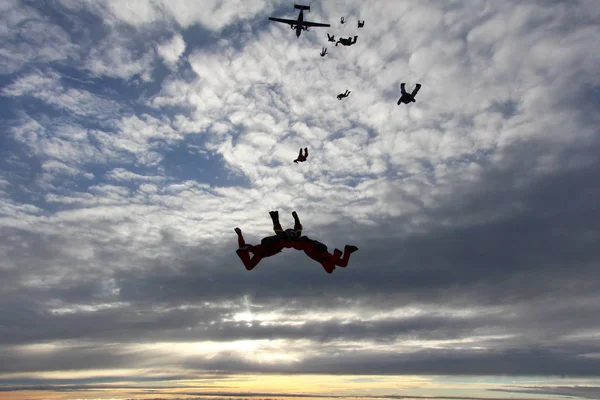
347	251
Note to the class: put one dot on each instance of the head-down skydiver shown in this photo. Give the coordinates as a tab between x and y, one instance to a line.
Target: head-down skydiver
361	24
343	95
408	97
302	157
323	51
347	42
343	20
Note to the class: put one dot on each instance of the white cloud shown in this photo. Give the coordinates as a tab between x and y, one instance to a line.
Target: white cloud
171	50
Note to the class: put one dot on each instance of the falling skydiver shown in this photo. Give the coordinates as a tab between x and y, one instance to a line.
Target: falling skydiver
343	95
302	157
347	42
408	97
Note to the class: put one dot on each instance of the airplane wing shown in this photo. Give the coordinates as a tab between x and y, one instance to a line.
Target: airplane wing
285	21
308	23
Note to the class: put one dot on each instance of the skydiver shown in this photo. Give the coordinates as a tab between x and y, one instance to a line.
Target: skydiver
343	20
301	157
361	24
323	51
343	95
318	252
331	38
347	42
269	246
291	238
406	97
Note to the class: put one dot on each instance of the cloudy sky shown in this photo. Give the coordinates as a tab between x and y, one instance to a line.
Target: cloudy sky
137	135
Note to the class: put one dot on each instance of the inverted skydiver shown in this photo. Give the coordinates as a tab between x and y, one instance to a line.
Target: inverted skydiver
343	95
343	20
361	24
331	38
408	97
347	42
302	157
323	51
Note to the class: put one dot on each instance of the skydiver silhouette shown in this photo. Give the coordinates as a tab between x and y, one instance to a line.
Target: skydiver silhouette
318	252
323	51
291	238
361	24
302	158
343	95
408	97
331	38
347	42
270	245
343	20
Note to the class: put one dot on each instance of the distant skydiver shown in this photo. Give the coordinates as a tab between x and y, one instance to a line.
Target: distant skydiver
406	97
331	38
347	42
323	51
361	24
302	158
343	95
343	20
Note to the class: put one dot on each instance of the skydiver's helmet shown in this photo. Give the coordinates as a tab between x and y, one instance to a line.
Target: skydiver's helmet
291	235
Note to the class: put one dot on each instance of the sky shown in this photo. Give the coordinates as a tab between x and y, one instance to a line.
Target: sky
137	135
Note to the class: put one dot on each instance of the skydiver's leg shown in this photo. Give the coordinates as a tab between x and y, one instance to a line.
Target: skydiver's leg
306	152
402	89
414	93
300	154
241	242
355	38
249	263
297	224
346	257
276	225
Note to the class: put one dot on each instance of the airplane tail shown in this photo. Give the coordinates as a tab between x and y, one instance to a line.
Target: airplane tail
301	7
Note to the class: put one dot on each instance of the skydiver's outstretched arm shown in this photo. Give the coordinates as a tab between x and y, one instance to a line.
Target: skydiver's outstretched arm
402	89
414	93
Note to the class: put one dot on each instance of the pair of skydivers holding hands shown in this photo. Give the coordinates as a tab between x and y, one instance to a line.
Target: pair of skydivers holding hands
291	238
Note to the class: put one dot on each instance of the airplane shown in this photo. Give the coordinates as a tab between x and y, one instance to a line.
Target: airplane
300	24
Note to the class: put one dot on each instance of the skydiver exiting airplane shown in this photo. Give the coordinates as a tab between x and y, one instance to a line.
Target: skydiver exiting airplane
343	20
323	51
331	38
343	95
302	158
299	25
361	24
347	42
408	97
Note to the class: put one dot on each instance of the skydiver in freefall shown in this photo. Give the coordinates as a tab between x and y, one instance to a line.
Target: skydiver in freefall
323	51
343	95
270	245
347	42
408	97
301	157
343	20
361	24
331	38
291	238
